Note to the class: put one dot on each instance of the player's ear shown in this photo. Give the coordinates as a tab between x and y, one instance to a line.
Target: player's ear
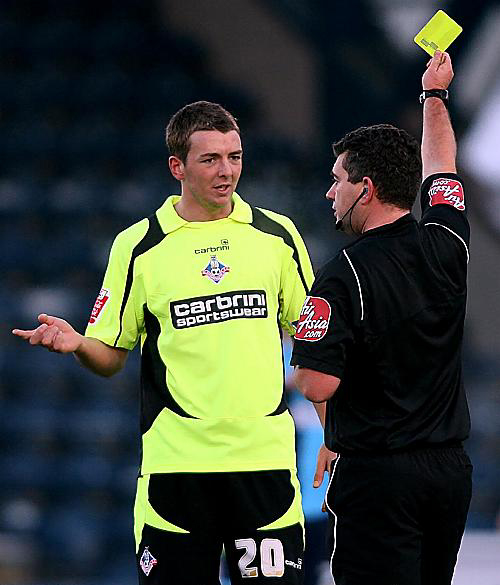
176	167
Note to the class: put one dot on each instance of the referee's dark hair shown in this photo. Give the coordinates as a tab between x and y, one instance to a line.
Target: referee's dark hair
192	118
389	156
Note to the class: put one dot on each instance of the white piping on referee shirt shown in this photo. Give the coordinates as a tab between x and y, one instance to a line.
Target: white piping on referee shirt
359	285
454	233
333	513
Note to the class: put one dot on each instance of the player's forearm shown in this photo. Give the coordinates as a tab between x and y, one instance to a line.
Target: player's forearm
99	357
439	148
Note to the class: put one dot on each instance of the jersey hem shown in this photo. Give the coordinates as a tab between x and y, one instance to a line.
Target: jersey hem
204	467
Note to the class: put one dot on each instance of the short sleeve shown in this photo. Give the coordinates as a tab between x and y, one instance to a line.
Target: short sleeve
296	279
442	200
327	321
117	316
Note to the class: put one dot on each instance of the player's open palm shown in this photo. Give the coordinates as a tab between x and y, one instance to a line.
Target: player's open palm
53	333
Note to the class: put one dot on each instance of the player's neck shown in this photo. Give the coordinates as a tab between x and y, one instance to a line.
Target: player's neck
192	211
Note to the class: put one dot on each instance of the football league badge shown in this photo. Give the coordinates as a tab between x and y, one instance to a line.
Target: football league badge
215	270
147	561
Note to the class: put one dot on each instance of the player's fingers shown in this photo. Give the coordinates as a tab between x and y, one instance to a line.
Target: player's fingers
49	336
23	333
58	342
37	336
47	319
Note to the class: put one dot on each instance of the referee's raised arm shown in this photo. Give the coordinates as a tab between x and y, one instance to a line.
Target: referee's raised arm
439	148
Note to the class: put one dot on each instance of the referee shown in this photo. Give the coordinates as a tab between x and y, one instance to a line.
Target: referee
379	339
203	286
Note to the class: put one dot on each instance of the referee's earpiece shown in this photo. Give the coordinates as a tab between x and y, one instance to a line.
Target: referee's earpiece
364	192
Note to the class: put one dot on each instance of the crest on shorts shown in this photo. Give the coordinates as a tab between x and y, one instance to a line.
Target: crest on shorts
449	191
215	270
147	561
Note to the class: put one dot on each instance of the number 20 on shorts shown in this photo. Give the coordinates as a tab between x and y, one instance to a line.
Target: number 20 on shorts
272	557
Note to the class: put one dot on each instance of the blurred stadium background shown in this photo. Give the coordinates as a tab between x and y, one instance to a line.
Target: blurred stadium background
86	88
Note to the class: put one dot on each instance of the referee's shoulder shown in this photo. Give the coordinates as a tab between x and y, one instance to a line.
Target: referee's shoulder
337	265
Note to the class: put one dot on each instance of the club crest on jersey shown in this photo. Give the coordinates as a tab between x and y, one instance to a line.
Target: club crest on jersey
314	319
215	270
449	191
147	561
102	299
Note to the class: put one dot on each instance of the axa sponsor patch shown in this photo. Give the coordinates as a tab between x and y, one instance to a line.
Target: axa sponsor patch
448	191
207	310
314	319
100	302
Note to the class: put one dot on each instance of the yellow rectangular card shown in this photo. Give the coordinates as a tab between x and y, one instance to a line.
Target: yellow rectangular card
438	33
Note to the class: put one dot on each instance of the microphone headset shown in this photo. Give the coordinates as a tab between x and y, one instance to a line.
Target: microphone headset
339	222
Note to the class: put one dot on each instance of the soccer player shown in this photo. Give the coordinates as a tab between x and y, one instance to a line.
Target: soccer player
379	339
203	285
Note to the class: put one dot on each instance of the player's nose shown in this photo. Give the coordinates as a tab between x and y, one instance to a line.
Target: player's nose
224	168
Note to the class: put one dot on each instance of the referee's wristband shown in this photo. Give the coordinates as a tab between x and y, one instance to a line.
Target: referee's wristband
442	94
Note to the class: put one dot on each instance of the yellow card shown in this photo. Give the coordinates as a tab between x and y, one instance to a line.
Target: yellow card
438	33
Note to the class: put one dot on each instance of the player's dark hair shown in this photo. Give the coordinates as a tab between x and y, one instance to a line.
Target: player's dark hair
192	118
389	156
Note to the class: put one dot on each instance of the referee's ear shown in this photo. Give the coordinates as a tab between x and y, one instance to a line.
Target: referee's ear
176	167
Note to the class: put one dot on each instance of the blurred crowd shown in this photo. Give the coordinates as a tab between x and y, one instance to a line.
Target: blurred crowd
86	90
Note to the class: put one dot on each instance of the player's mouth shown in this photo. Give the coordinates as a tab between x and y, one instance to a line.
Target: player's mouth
224	188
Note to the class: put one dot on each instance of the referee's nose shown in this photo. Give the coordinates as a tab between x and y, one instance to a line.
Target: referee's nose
330	194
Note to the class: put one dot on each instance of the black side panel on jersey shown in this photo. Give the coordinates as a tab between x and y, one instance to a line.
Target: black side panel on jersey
151	238
282	406
155	395
264	223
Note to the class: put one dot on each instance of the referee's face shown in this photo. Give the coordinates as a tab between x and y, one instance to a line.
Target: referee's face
342	193
212	170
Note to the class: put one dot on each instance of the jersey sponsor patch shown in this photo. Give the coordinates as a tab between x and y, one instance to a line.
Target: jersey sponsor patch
448	191
147	561
215	270
314	319
207	310
100	302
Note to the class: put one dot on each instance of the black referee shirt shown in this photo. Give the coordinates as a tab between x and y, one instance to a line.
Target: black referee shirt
386	316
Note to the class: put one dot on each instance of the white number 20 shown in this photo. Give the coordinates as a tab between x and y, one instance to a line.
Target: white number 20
272	557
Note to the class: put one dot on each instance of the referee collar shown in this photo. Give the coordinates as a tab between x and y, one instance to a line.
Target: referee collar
170	220
388	227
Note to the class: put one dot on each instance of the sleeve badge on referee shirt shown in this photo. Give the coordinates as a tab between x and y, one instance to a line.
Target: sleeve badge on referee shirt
314	319
102	299
449	191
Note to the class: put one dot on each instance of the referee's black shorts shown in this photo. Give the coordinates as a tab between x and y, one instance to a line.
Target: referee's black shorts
398	519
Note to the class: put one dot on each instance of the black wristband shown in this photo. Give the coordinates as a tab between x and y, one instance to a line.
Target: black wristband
442	94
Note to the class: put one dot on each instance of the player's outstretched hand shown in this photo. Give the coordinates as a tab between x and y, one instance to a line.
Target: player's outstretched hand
54	333
439	72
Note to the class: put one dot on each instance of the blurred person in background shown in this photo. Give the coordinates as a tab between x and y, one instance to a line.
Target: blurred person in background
204	284
378	349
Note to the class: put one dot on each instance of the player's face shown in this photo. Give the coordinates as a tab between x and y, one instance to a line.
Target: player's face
342	193
212	170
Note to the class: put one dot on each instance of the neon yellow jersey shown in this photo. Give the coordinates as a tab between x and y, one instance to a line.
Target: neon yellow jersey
206	300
